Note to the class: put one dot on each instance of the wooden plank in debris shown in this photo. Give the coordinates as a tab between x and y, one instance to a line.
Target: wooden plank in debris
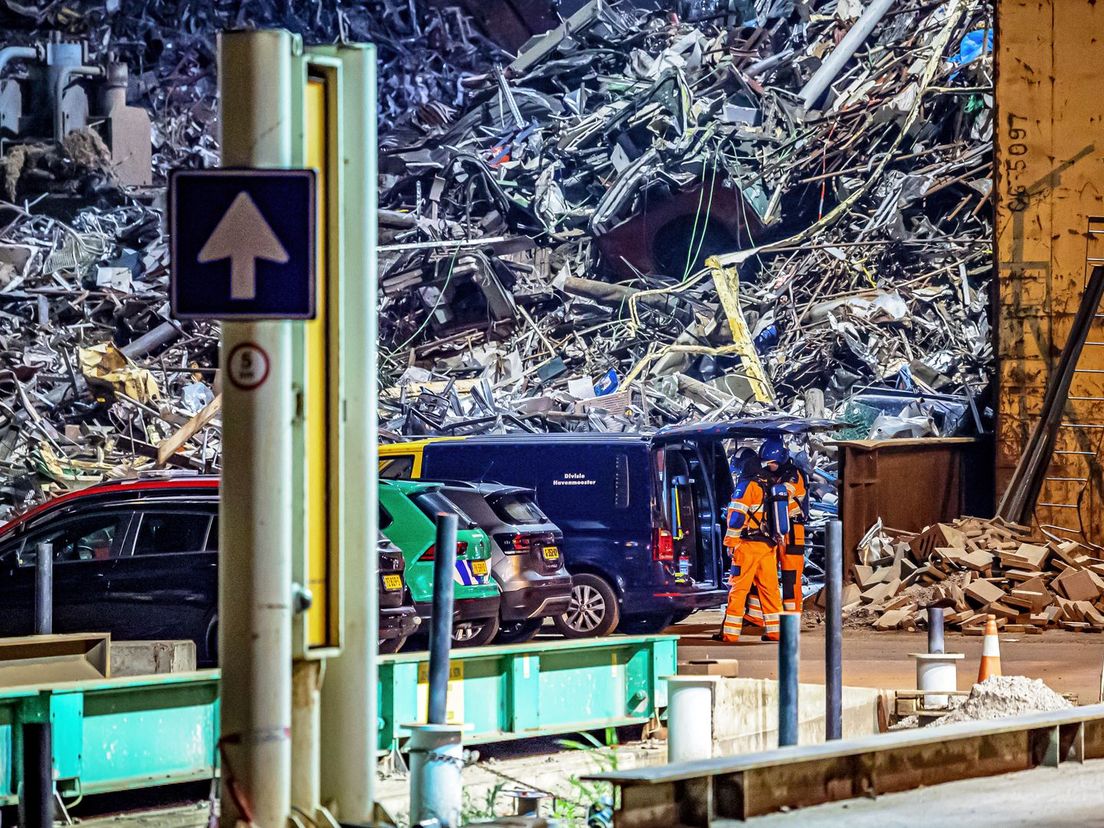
172	444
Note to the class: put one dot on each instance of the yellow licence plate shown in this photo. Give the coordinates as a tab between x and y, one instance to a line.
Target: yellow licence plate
551	553
479	567
392	582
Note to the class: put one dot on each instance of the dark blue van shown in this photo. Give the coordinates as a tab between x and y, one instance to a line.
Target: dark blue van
641	514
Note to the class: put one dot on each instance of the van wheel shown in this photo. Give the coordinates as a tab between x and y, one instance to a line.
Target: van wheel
593	611
518	632
474	633
644	624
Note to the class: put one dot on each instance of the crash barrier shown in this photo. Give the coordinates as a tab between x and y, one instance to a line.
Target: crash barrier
528	690
710	791
114	734
126	733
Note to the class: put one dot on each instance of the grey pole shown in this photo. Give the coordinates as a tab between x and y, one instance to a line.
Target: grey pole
440	631
44	589
37	801
935	630
833	639
788	657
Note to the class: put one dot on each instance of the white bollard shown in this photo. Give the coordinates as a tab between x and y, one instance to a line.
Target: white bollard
937	675
690	717
436	759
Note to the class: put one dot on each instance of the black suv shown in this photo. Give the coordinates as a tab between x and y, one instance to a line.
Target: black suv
139	559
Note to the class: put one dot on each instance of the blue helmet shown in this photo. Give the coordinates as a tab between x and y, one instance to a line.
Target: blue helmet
740	461
773	451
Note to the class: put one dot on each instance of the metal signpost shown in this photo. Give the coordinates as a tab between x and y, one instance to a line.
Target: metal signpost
280	246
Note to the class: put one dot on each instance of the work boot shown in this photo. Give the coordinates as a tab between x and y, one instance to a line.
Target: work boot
770	638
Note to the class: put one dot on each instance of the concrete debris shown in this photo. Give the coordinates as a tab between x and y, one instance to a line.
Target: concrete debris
974	567
642	223
999	697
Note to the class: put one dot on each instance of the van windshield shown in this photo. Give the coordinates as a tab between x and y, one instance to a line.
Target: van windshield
518	508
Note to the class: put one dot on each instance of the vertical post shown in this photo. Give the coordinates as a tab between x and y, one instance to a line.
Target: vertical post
255	561
350	735
690	718
788	659
37	802
935	631
44	589
436	749
440	633
833	639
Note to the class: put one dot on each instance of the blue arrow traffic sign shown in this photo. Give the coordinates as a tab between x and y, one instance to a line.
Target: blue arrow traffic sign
243	244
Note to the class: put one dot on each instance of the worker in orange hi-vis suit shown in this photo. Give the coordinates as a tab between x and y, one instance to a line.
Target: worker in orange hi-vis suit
781	469
753	560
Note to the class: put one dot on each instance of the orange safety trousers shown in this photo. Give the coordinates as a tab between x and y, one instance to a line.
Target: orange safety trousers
753	562
791	557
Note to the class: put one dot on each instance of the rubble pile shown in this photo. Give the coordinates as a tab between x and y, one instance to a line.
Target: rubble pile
656	218
974	568
999	697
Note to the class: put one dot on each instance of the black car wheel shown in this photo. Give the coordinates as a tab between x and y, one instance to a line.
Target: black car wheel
474	633
518	632
593	611
644	624
681	616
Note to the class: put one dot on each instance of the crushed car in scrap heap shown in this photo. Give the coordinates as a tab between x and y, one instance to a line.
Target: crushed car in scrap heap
634	219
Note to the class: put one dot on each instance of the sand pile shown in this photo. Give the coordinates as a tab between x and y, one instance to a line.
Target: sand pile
1002	696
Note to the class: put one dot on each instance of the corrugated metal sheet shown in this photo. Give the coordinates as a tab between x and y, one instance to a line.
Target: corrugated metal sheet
1049	230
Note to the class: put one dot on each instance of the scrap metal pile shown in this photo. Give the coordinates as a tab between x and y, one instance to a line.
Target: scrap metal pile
546	249
96	380
545	225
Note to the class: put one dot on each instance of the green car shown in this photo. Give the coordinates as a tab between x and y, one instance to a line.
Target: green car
408	511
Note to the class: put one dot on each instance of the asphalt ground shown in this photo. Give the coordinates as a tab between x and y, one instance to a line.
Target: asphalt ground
1068	662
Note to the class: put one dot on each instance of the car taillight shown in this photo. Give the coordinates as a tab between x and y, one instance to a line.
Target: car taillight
512	543
431	553
663	545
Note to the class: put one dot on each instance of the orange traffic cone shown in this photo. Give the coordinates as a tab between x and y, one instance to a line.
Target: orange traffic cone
990	651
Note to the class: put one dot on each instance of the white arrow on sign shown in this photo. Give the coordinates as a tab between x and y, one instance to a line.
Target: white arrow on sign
243	236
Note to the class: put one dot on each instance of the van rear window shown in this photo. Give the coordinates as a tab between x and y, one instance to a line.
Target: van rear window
433	503
518	508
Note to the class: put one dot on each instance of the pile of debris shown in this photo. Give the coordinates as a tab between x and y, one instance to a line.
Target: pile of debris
998	697
647	217
974	568
427	55
96	381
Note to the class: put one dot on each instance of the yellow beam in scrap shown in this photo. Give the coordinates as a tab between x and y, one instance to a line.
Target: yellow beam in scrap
727	282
